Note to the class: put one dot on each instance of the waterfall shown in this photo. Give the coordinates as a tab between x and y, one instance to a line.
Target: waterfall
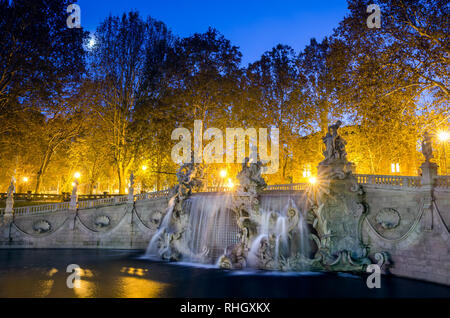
274	225
152	249
211	228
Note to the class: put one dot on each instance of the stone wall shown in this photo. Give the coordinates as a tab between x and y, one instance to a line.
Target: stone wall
399	221
416	238
122	226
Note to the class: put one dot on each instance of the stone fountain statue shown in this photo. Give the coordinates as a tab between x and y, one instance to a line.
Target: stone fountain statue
269	236
427	148
170	239
131	189
74	197
339	210
10	197
245	207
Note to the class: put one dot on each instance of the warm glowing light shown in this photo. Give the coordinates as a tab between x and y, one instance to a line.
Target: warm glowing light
73	184
313	180
223	173
144	167
116	191
77	175
307	171
25	179
230	183
395	167
443	136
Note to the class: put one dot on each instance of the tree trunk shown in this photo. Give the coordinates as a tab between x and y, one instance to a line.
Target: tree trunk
42	170
121	175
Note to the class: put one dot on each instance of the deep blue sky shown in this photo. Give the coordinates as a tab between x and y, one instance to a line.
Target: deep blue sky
254	25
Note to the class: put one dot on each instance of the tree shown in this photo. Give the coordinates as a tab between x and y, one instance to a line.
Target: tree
277	80
39	55
389	79
117	64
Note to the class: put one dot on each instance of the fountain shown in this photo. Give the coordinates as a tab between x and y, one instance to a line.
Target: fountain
251	228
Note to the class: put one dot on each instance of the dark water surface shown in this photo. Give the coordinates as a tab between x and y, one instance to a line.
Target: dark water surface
118	273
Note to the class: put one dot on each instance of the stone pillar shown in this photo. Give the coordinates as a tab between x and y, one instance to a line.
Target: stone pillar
74	197
428	173
10	199
131	189
9	206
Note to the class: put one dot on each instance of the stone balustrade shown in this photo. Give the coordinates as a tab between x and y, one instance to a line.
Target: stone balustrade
288	187
51	197
389	181
378	181
43	208
442	182
152	195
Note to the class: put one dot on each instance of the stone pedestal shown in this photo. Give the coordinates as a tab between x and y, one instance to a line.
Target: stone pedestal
73	202
9	206
340	213
429	172
131	189
130	195
331	169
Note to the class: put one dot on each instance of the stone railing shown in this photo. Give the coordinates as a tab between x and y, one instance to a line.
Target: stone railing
442	182
152	195
381	181
287	187
33	197
43	208
51	197
217	189
102	202
86	204
389	181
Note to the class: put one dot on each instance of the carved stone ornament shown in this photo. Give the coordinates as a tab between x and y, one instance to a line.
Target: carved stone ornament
156	217
388	218
42	226
102	221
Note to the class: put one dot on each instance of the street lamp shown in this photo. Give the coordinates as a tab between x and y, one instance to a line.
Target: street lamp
443	136
223	173
77	175
144	168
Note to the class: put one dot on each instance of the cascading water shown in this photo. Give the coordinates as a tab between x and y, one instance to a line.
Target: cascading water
152	249
288	239
211	228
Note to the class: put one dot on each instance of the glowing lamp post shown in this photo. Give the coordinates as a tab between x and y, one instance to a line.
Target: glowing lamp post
25	183
312	180
223	175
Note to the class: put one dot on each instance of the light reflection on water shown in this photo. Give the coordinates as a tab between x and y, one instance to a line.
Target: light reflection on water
134	287
42	273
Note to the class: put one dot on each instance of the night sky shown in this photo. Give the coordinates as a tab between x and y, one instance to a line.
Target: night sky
254	25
